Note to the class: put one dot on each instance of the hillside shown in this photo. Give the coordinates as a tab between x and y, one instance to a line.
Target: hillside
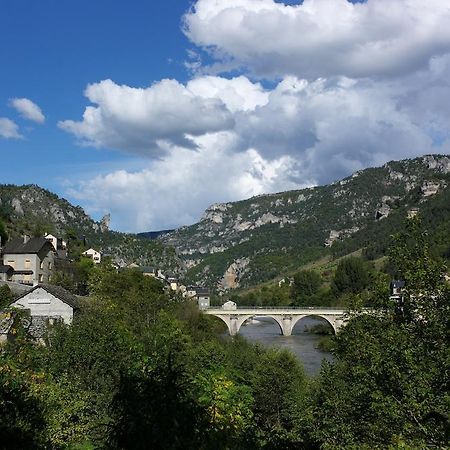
243	243
32	210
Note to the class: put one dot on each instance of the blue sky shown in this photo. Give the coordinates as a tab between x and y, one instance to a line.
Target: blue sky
260	96
53	49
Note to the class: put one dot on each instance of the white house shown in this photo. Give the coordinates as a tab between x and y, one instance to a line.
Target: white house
47	304
94	254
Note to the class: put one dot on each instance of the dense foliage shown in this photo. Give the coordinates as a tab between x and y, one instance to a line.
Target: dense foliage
140	368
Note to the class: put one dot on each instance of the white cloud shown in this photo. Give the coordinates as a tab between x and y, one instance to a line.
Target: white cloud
174	191
9	129
238	94
321	38
222	139
28	109
300	133
147	120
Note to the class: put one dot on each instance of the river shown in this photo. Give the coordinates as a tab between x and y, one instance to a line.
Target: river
303	344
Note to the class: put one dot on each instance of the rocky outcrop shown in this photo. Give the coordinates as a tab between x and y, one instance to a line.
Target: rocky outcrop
233	274
105	222
305	218
430	188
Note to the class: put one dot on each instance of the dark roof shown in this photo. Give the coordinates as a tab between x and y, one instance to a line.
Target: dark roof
23	272
202	291
147	269
397	284
57	291
33	246
6	269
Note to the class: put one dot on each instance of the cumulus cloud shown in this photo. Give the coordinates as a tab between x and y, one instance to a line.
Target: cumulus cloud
175	190
356	85
9	129
147	120
28	109
299	133
321	38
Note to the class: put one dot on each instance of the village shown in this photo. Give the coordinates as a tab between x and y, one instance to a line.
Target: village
28	266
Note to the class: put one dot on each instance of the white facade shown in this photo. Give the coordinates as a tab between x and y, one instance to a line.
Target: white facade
42	303
94	254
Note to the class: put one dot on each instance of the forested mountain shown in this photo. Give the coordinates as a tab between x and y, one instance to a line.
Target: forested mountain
32	210
243	243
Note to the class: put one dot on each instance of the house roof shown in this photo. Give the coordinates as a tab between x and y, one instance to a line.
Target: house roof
147	269
397	284
202	291
58	292
32	246
6	269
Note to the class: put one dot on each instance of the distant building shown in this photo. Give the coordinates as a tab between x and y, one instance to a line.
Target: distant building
397	287
148	271
59	244
229	305
413	212
32	259
203	298
201	294
94	254
171	280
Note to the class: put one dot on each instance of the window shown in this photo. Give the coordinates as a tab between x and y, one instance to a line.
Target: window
41	265
50	266
41	278
12	264
27	264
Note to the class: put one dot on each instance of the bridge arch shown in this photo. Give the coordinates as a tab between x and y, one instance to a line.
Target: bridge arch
331	320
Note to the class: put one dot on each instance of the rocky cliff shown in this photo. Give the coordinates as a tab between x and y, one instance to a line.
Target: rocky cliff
245	242
32	210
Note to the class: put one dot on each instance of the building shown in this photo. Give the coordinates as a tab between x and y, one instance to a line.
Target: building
203	297
171	280
47	304
6	273
397	287
32	259
201	294
94	254
148	271
59	244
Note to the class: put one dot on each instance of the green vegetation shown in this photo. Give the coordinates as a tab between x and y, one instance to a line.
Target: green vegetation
350	208
34	211
140	369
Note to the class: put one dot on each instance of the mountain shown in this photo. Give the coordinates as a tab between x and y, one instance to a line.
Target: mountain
32	210
153	234
243	243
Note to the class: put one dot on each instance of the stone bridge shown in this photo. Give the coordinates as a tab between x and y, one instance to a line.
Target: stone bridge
286	318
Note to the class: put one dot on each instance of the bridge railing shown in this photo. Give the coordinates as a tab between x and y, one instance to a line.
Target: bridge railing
278	308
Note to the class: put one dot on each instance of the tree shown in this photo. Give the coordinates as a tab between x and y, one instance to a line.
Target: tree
386	387
3	233
279	390
306	285
351	276
6	296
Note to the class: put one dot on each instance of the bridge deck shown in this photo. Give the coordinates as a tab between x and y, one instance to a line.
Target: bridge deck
245	310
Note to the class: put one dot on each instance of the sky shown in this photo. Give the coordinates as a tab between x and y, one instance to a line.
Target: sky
153	110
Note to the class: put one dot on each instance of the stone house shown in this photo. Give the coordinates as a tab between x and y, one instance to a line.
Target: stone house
32	260
47	304
148	271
